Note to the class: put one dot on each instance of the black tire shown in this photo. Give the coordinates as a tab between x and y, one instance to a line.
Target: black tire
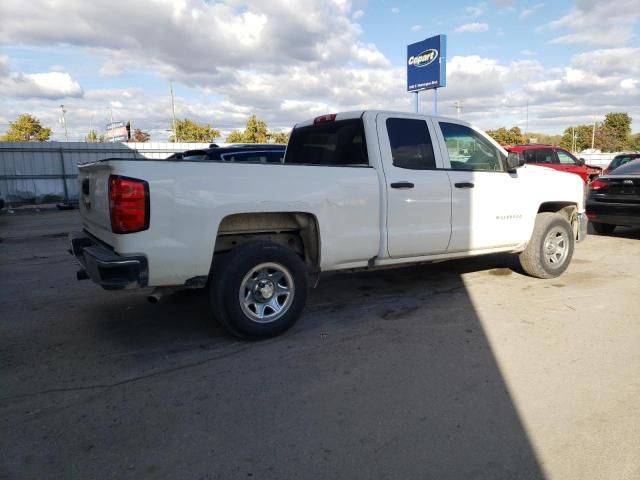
280	267
552	233
603	228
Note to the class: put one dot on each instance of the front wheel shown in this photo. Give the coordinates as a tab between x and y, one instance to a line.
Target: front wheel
550	248
258	289
603	228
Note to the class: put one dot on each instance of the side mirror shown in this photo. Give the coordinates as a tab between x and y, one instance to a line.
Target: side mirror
514	160
581	161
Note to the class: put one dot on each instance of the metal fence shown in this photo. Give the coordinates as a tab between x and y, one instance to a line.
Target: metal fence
37	173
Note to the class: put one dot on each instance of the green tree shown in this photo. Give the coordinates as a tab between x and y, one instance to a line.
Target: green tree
280	137
513	136
615	134
189	131
140	136
256	131
582	135
544	138
26	128
93	137
635	142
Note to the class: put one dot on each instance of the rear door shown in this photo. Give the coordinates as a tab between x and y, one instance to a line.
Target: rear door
418	189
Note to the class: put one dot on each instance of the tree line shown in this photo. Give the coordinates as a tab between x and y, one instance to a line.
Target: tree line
27	128
613	134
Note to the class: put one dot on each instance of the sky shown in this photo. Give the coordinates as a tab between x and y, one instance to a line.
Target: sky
542	66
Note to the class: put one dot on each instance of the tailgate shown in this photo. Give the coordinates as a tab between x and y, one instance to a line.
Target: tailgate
94	197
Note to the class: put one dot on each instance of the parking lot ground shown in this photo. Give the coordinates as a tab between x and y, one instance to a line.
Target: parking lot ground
464	369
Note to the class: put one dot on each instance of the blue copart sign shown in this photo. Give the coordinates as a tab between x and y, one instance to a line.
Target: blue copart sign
427	64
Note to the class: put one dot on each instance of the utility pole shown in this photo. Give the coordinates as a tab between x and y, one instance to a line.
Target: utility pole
458	109
64	122
173	112
593	135
573	140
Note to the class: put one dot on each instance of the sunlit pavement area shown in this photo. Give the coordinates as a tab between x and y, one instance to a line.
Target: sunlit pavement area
465	369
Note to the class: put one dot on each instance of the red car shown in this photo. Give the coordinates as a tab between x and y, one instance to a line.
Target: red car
557	158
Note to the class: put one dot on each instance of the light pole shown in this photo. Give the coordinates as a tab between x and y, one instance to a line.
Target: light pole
173	112
64	123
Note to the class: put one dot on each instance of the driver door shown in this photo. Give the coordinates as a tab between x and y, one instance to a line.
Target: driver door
488	207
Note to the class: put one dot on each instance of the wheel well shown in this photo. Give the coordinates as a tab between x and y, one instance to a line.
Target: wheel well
568	210
296	230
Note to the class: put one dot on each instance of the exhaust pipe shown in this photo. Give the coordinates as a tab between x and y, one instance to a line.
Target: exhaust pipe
159	292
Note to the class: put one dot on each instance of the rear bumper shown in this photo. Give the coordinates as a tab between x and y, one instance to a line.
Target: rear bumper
105	267
614	213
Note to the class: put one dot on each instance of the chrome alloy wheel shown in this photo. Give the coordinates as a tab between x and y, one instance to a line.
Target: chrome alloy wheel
556	247
266	292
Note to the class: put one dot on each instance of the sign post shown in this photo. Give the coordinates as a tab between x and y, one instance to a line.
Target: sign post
427	67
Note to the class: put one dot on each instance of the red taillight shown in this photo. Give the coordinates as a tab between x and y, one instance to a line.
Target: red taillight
598	185
128	204
331	117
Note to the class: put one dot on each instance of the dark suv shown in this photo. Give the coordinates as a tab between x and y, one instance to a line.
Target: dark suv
246	153
557	158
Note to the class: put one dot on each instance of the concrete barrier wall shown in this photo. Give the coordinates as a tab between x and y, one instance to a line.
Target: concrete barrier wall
47	172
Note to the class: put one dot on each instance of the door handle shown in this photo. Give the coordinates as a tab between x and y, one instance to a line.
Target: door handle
464	185
402	185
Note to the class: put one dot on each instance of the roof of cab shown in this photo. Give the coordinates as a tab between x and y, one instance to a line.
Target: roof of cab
361	113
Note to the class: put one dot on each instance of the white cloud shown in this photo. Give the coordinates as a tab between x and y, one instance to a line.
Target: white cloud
52	85
295	60
415	28
607	23
357	14
477	10
474	27
179	37
529	10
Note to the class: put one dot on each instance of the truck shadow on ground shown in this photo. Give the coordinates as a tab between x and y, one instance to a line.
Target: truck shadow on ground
389	374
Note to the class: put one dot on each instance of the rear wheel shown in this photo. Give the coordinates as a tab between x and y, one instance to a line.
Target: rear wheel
550	248
603	228
258	289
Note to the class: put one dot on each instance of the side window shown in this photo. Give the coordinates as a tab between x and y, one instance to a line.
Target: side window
411	145
529	156
565	158
544	155
468	150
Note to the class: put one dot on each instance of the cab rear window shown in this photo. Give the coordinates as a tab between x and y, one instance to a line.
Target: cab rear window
340	143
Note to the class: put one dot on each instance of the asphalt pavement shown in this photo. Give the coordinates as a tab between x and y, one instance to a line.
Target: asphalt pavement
464	369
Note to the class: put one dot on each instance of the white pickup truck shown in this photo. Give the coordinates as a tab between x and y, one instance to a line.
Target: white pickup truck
355	190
